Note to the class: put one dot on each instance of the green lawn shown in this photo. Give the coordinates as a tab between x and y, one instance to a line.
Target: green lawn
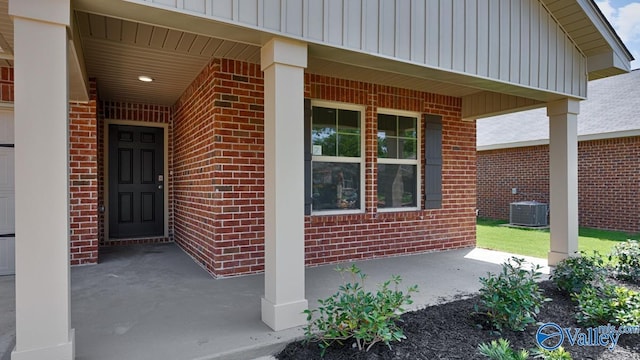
530	242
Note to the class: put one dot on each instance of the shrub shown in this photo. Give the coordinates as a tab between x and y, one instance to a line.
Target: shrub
352	312
501	350
607	305
626	260
575	273
512	299
557	354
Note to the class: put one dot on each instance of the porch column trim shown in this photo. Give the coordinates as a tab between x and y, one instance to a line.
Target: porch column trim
43	326
283	62
563	173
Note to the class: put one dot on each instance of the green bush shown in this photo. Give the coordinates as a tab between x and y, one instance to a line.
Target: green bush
609	304
512	299
575	273
501	350
625	258
353	313
557	354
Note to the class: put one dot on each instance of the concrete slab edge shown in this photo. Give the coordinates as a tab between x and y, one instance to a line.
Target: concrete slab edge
257	351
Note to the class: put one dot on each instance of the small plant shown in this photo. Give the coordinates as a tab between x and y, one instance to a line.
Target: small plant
626	260
512	299
557	354
501	350
573	274
609	304
353	313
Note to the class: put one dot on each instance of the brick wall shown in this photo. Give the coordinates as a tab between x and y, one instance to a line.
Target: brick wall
219	169
83	179
608	181
337	238
499	171
140	114
6	84
608	184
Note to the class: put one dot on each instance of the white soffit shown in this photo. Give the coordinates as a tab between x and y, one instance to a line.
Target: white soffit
118	51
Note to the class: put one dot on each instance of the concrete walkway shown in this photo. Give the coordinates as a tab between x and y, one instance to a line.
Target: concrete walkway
154	302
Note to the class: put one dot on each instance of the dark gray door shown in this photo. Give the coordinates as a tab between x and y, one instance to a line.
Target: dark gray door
136	181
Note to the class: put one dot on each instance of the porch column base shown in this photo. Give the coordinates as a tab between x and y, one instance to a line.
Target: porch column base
65	351
284	316
553	258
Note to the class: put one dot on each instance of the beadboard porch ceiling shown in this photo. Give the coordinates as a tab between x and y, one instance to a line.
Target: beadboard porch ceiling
117	51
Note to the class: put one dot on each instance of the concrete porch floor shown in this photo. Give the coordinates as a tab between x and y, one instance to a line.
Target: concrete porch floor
154	302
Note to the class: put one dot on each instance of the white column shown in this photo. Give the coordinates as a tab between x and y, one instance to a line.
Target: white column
283	63
563	173
43	326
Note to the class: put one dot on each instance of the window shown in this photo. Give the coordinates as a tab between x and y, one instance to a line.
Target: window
398	170
336	167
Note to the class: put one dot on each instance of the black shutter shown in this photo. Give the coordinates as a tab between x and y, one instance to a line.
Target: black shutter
433	162
308	200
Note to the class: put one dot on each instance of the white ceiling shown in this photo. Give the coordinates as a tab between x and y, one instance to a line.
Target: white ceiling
118	51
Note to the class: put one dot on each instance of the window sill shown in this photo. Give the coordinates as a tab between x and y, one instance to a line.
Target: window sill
400	209
336	212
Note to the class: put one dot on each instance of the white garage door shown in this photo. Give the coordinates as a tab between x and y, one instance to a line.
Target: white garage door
7	196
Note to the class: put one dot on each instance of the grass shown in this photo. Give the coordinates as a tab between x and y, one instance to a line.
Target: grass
533	242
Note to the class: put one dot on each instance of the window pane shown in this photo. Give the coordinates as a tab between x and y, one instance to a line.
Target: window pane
388	147
407	127
336	186
348	121
383	146
397	186
387	124
407	148
349	145
323	132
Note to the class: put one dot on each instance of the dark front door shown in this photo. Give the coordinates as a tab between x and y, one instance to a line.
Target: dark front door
136	181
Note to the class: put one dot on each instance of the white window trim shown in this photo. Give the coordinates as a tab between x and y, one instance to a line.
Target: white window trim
417	161
344	106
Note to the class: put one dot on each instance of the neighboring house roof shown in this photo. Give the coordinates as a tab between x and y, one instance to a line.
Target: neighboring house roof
610	111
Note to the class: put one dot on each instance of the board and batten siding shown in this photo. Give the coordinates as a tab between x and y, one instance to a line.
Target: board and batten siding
516	42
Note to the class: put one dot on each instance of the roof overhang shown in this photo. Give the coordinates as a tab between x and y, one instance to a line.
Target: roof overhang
593	34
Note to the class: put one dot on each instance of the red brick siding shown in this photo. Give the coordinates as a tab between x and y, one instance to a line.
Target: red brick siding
141	113
337	238
6	84
525	168
608	181
219	173
219	168
83	180
608	184
194	143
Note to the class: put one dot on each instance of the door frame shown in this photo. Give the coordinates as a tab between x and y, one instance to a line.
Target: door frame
105	167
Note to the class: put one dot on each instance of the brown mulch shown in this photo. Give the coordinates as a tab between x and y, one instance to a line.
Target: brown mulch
451	331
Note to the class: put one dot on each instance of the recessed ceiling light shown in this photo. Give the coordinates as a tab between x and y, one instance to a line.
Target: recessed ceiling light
145	78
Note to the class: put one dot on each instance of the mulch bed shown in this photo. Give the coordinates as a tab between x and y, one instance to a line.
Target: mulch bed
451	331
